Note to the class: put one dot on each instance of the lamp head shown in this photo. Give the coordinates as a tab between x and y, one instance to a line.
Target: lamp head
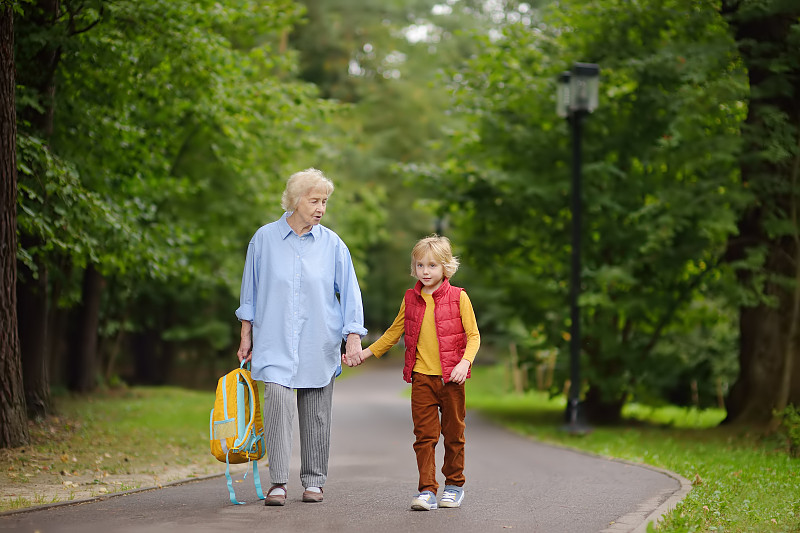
584	87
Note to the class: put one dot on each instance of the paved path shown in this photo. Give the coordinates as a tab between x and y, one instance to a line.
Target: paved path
513	483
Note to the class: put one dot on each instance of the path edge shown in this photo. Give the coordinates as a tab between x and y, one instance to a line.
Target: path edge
107	496
661	510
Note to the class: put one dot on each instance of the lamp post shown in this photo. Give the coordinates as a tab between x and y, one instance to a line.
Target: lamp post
576	97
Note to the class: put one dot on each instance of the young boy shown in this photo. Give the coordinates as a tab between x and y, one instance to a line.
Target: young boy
440	348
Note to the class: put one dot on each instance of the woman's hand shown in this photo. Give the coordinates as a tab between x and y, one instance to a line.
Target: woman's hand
459	373
353	349
245	352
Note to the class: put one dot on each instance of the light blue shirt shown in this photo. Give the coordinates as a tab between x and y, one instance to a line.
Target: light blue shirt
289	292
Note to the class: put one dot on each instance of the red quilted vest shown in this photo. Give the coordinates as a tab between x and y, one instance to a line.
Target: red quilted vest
449	329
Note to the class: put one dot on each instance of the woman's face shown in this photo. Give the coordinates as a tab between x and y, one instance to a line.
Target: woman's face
429	271
311	207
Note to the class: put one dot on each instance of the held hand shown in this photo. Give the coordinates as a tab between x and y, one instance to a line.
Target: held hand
363	355
353	348
351	360
459	373
357	359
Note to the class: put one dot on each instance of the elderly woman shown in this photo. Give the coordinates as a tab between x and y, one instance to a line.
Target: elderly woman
293	325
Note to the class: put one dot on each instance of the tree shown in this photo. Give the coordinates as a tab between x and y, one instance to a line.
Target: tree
660	187
191	116
766	249
385	58
13	423
32	302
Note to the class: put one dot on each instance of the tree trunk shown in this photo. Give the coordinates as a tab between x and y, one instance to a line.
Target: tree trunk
768	349
58	344
58	322
602	412
762	348
33	337
33	292
13	423
146	358
82	361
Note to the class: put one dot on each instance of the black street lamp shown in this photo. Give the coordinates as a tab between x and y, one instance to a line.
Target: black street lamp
576	98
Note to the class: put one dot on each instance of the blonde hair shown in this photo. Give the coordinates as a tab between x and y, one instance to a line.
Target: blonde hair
440	249
301	183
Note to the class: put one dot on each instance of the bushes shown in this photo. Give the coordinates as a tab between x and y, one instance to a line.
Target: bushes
790	426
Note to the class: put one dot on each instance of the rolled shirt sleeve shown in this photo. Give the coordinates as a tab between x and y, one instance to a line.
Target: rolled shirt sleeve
247	295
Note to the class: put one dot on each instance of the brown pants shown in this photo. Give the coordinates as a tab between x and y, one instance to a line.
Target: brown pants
429	396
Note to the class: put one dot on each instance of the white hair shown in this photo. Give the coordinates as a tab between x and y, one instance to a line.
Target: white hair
301	183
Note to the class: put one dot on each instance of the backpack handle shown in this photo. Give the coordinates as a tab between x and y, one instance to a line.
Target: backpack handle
240	389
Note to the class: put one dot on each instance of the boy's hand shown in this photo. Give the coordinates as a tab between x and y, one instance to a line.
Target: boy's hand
459	373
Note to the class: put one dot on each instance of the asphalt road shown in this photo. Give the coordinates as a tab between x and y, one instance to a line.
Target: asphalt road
513	484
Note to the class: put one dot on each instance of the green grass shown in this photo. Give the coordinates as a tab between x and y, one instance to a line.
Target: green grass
745	482
123	432
142	426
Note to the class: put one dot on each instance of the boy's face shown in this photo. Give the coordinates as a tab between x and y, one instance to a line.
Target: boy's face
429	271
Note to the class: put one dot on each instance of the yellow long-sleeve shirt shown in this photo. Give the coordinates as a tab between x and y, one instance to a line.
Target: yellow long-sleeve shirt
428	361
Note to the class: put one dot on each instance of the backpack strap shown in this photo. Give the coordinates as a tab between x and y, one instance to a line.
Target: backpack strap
240	392
230	482
257	481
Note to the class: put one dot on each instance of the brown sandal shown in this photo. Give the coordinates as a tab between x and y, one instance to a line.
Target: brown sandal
312	497
276	499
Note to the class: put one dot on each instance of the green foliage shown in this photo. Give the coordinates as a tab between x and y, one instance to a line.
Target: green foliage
385	59
54	207
178	86
771	131
790	422
174	125
659	178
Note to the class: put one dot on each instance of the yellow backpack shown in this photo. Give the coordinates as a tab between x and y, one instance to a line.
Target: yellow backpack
236	426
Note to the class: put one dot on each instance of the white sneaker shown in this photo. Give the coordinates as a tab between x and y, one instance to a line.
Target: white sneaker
452	496
426	501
